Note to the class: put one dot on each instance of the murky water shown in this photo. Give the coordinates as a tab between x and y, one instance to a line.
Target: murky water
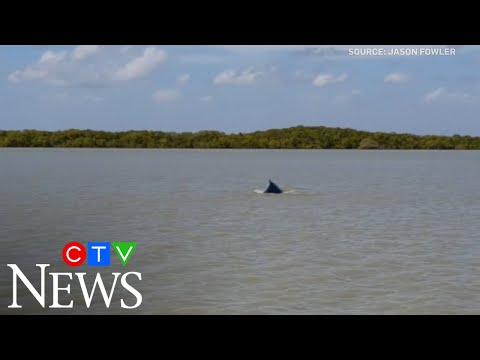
359	232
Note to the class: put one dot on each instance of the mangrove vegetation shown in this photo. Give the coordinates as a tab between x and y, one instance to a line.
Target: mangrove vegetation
300	137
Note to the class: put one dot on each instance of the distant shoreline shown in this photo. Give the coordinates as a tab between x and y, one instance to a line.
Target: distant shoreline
293	138
219	149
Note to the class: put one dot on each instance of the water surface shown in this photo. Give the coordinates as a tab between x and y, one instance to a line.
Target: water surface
359	232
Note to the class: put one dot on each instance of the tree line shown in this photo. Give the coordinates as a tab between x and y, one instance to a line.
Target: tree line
299	137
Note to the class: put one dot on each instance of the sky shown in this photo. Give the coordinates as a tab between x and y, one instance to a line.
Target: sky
241	88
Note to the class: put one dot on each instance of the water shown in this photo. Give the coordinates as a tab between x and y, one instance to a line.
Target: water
359	232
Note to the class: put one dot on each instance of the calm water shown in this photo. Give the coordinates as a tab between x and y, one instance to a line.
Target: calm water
372	232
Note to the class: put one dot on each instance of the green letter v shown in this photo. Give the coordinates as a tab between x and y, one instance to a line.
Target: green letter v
124	250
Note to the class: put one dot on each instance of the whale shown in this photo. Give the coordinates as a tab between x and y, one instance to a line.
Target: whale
273	188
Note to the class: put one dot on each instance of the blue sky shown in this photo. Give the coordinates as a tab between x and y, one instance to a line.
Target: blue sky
238	88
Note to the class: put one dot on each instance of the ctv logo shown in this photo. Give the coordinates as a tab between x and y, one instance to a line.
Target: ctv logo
74	254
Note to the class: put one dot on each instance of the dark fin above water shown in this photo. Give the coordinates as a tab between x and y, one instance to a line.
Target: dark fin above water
273	188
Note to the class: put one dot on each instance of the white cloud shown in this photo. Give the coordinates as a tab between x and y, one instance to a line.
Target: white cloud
82	52
207	98
435	94
183	79
65	68
52	67
142	65
166	95
233	77
442	94
396	78
52	57
28	74
41	70
328	79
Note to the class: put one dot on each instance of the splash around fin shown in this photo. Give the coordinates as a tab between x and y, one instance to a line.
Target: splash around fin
273	188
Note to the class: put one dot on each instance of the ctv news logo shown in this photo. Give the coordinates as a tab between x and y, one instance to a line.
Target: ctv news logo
74	253
97	254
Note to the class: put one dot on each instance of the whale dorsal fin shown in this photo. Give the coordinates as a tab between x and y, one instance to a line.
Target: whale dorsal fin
273	188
